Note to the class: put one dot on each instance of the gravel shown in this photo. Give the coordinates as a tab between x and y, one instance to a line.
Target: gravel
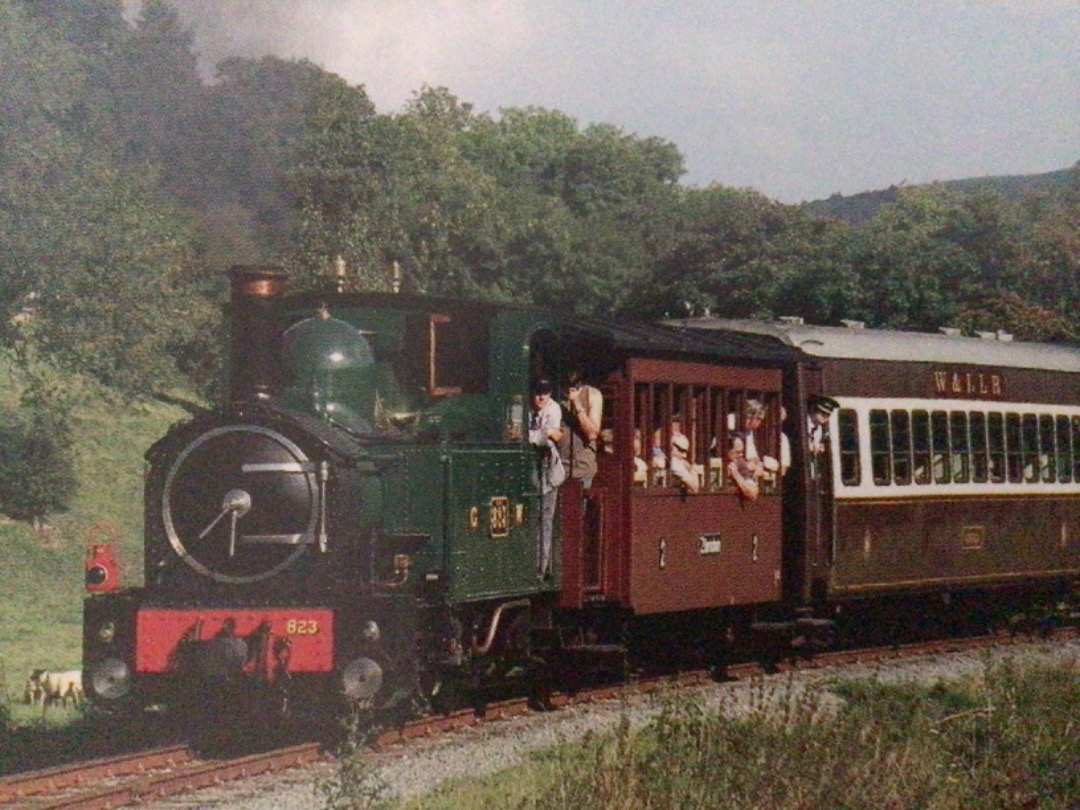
418	768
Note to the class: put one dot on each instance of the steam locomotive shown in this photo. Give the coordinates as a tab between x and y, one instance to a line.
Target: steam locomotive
359	524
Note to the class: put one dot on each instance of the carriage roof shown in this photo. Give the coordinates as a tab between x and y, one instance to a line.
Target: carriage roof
858	343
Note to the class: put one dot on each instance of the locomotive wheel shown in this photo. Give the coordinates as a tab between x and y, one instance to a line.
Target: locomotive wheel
541	685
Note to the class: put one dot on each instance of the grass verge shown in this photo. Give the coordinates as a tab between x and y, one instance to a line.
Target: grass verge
1009	738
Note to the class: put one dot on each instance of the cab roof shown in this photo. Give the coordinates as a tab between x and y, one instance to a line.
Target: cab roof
658	339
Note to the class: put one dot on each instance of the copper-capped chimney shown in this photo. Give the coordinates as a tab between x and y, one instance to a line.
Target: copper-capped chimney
256	339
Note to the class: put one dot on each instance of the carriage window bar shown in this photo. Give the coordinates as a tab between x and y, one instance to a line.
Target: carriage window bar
957	447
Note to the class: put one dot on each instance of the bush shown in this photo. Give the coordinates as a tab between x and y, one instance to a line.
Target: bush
356	783
37	457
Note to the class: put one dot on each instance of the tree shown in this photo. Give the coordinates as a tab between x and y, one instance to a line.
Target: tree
96	261
1008	312
37	461
813	275
233	155
717	262
521	208
1047	269
151	86
915	270
342	181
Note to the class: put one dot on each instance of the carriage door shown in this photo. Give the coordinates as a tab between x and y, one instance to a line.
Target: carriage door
809	537
591	517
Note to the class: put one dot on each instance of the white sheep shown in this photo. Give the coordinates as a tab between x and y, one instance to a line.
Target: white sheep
60	687
34	692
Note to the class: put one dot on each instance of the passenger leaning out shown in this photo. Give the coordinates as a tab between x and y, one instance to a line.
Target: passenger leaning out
585	414
545	433
740	472
681	469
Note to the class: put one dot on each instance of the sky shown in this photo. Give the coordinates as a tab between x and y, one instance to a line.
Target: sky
797	99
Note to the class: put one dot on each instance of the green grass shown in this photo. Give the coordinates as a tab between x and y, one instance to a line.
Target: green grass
41	576
1009	738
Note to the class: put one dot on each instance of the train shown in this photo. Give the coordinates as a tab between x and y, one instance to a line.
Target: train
357	526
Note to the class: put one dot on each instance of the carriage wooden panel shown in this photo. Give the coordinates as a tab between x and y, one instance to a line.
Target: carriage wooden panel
901	545
703	551
847	377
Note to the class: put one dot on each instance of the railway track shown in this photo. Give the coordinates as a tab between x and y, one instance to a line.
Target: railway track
151	775
138	778
430	726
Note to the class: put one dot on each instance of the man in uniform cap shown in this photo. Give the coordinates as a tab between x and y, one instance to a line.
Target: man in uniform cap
819	410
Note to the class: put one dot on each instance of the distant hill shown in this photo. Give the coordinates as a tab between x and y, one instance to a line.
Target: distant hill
859	209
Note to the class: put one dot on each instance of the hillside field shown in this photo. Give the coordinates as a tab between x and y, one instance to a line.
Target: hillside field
41	576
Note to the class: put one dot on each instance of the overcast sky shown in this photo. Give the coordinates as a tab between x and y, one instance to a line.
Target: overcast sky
797	99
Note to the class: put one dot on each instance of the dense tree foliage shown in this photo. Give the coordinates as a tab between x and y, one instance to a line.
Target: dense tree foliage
524	207
96	258
127	185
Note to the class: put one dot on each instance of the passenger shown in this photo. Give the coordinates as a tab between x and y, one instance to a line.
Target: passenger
676	426
754	413
739	470
681	470
607	441
641	468
585	406
785	444
819	410
657	456
817	423
545	433
747	427
753	416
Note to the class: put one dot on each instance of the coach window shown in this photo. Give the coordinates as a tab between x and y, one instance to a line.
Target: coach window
682	412
958	433
770	428
1014	459
995	434
703	419
1047	453
939	424
1031	448
848	424
879	447
1064	450
979	466
1076	447
684	420
901	447
719	407
660	441
642	441
920	442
